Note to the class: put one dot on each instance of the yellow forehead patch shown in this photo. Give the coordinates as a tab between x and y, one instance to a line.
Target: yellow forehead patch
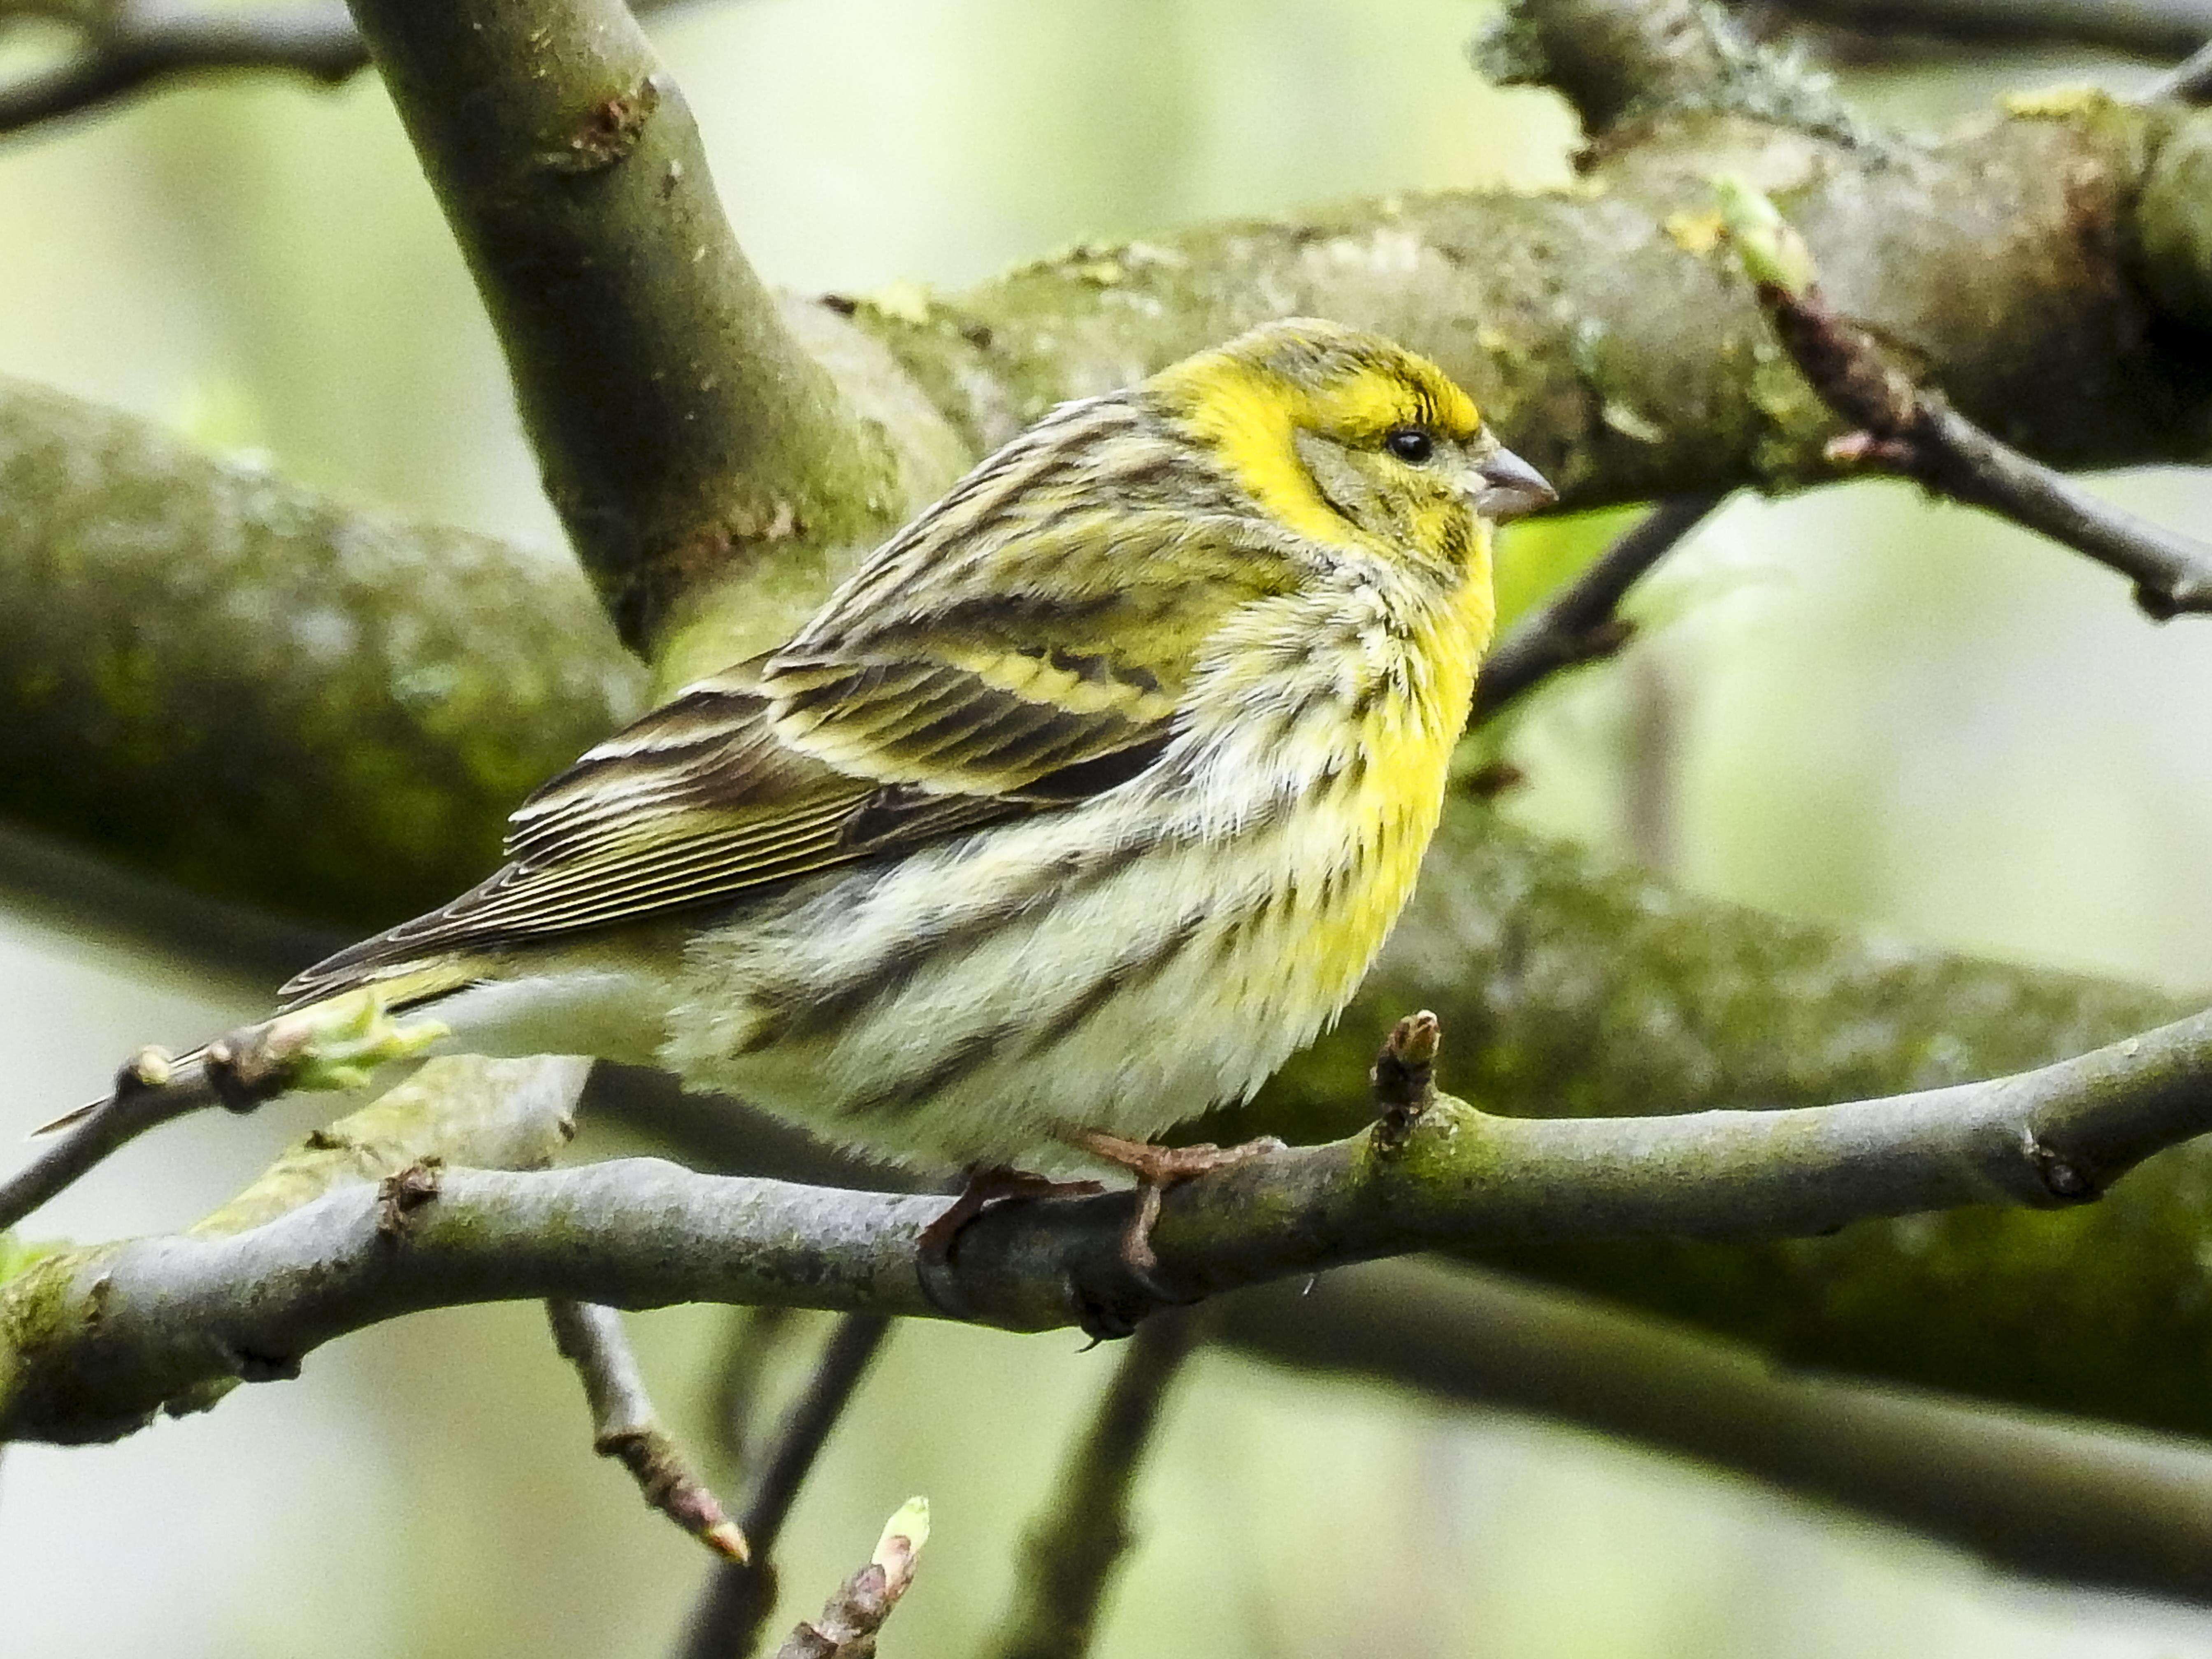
1412	391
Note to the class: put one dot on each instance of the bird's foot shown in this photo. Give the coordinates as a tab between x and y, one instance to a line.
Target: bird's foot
1156	1168
986	1185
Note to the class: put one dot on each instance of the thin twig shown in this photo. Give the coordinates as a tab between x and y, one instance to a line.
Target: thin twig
92	1342
624	1426
132	48
1076	1545
1577	624
135	48
2152	28
1906	429
2189	81
740	1596
84	1137
337	1044
849	1624
754	1338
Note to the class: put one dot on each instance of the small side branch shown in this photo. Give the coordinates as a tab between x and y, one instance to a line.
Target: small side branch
740	1597
334	1045
1618	61
2151	29
1904	428
1073	1550
1578	625
129	48
848	1625
625	1428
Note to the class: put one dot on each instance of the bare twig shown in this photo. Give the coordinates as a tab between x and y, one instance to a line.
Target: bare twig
137	47
740	1596
1577	624
84	1137
2045	1497
754	1338
2148	28
1906	429
849	1624
334	1045
1074	1548
129	48
625	1428
93	1340
2189	81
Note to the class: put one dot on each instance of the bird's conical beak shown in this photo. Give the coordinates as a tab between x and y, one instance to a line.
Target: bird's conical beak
1506	487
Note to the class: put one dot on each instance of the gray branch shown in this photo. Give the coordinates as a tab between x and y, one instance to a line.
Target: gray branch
93	1342
625	1427
2147	28
2049	1498
686	437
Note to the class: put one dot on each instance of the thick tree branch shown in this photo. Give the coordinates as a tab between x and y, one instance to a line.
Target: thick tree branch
228	680
1619	61
686	435
2047	1498
1609	338
93	1341
1902	428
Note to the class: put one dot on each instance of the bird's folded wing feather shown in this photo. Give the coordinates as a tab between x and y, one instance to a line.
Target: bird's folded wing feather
1005	654
707	799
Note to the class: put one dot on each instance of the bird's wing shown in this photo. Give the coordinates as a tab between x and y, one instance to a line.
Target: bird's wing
1021	647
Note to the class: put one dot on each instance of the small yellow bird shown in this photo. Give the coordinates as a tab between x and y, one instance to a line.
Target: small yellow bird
1083	804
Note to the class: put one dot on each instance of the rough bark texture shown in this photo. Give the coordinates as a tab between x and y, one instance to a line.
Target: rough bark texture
682	431
224	679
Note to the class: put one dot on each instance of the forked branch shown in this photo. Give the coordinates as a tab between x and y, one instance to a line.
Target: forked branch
1904	428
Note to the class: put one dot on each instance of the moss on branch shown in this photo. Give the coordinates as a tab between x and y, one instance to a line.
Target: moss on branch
1608	336
220	677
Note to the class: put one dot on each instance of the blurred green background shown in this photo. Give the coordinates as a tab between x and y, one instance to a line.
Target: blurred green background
1853	704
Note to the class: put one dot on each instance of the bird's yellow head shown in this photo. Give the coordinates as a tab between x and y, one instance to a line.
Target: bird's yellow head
1348	437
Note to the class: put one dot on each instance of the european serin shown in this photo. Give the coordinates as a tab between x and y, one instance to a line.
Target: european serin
1087	800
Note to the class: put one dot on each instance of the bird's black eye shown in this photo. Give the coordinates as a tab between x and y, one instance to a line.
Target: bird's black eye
1409	443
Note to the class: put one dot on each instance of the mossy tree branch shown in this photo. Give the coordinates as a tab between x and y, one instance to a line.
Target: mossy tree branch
227	680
